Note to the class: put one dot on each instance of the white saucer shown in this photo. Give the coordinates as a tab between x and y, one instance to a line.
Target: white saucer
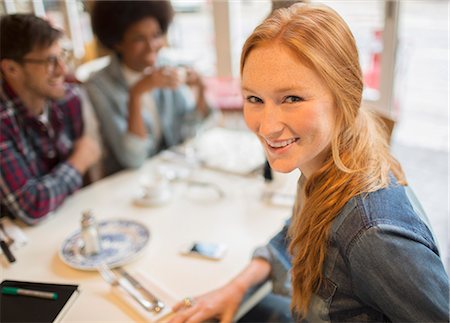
121	240
153	195
142	200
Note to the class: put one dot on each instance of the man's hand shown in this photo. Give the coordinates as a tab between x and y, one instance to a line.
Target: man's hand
86	152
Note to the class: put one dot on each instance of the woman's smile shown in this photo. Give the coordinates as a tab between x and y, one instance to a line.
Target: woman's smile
279	146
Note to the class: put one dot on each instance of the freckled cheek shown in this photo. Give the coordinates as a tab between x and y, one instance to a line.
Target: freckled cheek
321	133
303	123
252	119
306	130
311	126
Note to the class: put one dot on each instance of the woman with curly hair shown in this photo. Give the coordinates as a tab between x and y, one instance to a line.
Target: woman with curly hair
141	99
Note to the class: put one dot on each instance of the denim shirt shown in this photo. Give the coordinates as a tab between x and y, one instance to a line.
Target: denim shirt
108	92
382	263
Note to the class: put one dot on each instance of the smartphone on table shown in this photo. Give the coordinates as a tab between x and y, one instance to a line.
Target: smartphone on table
207	250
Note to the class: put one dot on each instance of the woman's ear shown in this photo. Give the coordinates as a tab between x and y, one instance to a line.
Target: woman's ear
9	68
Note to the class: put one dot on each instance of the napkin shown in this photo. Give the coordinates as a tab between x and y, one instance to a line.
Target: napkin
15	232
157	290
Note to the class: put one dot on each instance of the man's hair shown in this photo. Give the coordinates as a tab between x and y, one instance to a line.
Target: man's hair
111	19
22	33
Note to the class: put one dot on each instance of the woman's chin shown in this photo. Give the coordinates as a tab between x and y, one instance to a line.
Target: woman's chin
282	166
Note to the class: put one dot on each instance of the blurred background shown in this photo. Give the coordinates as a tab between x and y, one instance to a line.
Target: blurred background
404	52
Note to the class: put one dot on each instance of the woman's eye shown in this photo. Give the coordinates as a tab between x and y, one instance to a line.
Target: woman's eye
253	99
293	98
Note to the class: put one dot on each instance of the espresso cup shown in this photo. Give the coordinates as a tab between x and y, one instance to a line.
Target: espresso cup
182	74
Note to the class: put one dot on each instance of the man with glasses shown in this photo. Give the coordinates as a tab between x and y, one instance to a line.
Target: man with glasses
43	150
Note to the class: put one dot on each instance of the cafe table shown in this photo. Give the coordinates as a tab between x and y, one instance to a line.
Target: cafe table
241	218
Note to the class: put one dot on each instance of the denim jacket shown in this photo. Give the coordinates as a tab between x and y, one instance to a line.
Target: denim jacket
382	263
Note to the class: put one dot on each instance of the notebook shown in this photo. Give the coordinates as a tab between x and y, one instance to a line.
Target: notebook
19	308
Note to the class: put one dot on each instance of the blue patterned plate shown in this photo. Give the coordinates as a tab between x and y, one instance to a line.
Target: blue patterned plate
121	240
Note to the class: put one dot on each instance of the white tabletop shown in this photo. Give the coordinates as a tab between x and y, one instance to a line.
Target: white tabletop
241	220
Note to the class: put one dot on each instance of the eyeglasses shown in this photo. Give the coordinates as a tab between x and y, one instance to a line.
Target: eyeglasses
50	62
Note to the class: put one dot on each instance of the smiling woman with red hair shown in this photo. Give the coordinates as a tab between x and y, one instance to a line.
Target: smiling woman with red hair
358	247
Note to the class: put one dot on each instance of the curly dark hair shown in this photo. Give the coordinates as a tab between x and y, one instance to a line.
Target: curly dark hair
111	19
22	33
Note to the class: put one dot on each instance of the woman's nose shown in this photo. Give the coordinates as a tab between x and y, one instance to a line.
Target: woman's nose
153	43
271	120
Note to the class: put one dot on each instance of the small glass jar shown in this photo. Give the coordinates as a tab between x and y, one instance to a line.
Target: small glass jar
89	235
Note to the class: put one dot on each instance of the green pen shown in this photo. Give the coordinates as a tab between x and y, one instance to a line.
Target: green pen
28	292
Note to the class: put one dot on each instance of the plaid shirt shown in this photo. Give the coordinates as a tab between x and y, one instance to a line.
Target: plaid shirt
35	176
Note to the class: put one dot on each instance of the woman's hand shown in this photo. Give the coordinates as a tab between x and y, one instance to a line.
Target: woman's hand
195	81
193	78
221	303
165	77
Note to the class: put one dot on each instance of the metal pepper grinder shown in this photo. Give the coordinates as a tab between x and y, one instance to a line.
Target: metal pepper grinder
90	235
